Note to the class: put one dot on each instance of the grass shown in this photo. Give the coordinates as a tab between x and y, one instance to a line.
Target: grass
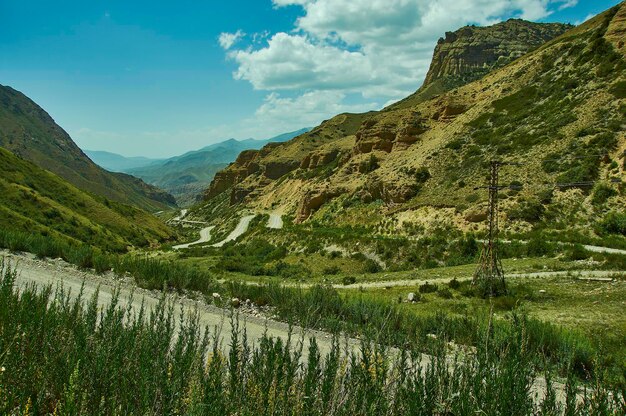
37	201
63	356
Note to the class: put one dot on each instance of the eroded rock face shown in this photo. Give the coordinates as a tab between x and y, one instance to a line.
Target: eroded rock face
387	137
471	52
277	168
319	158
313	200
374	137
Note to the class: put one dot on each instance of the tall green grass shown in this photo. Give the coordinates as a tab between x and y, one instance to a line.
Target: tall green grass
149	272
68	357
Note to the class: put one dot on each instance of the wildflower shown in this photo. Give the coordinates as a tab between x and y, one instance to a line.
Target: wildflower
2	369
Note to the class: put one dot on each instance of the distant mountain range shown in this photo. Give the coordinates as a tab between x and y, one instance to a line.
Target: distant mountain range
185	176
118	163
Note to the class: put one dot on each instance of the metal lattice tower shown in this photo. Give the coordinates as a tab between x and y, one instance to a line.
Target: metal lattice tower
489	275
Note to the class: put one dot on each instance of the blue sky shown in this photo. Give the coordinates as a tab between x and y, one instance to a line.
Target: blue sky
161	78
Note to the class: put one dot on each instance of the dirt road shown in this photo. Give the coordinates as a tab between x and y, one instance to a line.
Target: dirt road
275	221
32	271
205	237
241	228
58	272
413	282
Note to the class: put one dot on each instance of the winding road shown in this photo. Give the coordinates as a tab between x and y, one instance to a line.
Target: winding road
239	230
205	237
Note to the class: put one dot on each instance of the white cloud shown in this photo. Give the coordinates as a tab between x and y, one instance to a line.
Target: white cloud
566	4
380	49
228	40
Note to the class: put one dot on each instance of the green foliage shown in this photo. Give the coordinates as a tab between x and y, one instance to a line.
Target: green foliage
613	223
530	210
63	356
348	280
601	193
428	287
371	266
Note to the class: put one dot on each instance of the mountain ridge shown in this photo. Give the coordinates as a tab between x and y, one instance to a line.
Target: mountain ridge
28	131
423	157
187	175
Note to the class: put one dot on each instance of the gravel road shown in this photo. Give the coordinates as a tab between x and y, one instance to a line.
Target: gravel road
32	271
275	221
57	272
205	237
241	228
413	282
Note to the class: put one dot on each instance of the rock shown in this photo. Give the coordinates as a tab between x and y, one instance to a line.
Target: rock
235	302
411	297
471	52
216	296
542	291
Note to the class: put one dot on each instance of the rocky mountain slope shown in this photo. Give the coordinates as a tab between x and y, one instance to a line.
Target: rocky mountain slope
187	176
555	110
471	52
37	201
29	132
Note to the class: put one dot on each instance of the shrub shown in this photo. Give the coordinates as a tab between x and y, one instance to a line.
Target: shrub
601	193
331	270
454	284
348	280
371	266
578	252
444	293
614	223
428	287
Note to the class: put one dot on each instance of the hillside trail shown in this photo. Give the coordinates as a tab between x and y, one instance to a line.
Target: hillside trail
580	274
205	237
239	230
58	273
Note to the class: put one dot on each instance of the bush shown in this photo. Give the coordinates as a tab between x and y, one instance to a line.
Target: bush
578	252
348	280
428	287
454	284
331	270
444	293
613	223
371	266
601	193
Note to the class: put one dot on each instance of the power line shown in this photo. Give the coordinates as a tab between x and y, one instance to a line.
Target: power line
489	275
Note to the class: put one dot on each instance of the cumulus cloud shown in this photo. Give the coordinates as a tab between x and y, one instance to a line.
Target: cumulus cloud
380	49
228	40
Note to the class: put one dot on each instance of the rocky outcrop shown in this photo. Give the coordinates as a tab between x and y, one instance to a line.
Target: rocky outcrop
313	200
319	158
471	52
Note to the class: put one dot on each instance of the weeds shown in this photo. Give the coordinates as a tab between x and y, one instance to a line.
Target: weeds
63	356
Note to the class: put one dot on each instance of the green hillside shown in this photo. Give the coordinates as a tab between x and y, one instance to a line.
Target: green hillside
36	201
29	132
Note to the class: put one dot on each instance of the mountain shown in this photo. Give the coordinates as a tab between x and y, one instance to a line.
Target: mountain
554	110
471	52
29	132
36	201
187	176
118	163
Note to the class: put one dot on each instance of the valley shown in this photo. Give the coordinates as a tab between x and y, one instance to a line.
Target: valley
459	251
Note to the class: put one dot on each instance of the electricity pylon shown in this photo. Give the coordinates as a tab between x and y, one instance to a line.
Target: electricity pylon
489	276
